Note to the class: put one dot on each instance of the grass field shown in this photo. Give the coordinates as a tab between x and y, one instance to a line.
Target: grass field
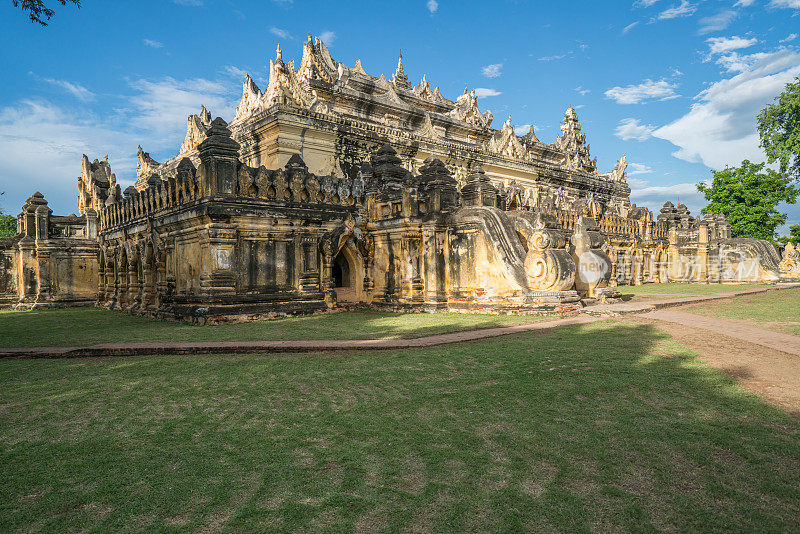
609	426
90	326
675	289
778	310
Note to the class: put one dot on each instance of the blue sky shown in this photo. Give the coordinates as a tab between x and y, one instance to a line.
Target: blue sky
675	84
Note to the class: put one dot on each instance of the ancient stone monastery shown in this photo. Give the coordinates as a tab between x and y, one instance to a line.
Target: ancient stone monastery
334	186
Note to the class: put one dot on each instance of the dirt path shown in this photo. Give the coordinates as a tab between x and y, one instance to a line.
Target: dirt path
732	329
211	347
772	374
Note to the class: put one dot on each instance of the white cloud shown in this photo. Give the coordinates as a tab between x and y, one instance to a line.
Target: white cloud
631	129
522	129
492	71
744	3
278	32
41	143
653	196
717	22
580	90
638	168
789	4
720	127
721	45
433	6
629	27
790	37
647	90
482	92
684	9
75	89
41	146
644	3
161	107
234	71
153	44
552	58
327	37
734	62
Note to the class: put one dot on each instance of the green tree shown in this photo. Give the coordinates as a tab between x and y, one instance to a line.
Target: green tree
8	225
794	235
779	128
38	12
748	197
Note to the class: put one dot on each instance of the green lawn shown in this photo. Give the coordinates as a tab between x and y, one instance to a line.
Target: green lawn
90	326
675	289
779	310
607	427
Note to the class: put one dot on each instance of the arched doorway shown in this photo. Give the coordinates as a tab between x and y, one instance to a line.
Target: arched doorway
346	270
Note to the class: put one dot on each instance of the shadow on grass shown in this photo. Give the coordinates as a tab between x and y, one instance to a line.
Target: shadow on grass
607	426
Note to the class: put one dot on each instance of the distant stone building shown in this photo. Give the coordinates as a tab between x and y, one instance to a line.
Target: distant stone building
333	186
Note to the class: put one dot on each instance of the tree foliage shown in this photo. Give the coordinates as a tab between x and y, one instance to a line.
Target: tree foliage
38	12
748	197
779	128
794	235
8	225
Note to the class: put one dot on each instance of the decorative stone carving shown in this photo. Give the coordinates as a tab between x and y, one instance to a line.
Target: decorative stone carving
317	63
196	128
423	90
478	190
146	166
593	264
620	173
466	109
399	78
283	87
548	264
506	143
572	142
790	263
93	184
251	99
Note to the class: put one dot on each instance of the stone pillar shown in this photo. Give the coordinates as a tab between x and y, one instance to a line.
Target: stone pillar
219	161
101	284
43	295
218	245
147	283
134	285
434	241
91	223
161	278
638	266
702	252
613	257
673	255
327	274
111	279
28	280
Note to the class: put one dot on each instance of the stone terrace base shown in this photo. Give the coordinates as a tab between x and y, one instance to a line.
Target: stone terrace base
238	309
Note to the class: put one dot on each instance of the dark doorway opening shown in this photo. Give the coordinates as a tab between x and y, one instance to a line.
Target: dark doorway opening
341	271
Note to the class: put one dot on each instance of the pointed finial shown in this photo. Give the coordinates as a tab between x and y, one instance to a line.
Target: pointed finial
309	38
278	54
399	75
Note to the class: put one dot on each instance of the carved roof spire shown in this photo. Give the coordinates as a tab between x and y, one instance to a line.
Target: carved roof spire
400	77
278	54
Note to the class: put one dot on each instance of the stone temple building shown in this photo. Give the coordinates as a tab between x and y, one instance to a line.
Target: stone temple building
332	186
